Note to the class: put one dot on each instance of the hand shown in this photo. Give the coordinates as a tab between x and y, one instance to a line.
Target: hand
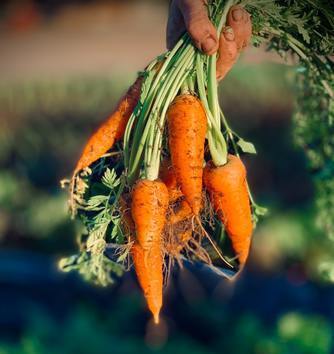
192	16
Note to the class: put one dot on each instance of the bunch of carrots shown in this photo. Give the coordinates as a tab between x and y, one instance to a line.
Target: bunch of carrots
177	161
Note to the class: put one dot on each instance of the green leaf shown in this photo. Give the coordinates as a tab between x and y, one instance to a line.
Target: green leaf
97	202
246	146
117	225
260	211
110	179
67	264
122	257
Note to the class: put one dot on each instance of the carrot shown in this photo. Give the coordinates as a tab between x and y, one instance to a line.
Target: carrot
148	267
229	195
111	130
149	207
167	175
187	125
179	241
182	212
145	266
182	236
179	227
185	236
127	221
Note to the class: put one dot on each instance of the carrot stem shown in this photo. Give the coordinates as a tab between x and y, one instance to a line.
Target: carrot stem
222	21
190	83
143	129
213	89
217	144
231	135
176	84
219	152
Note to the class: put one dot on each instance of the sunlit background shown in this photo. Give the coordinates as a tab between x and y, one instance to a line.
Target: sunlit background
63	65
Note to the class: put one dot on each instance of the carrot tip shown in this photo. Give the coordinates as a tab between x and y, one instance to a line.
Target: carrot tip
156	318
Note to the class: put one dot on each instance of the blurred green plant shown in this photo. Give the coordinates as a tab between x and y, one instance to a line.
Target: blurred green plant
88	96
86	331
308	334
314	125
42	126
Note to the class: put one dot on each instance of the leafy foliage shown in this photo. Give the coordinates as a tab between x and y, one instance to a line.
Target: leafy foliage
308	24
314	132
87	332
306	29
102	222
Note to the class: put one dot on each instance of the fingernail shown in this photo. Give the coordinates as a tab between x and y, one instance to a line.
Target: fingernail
209	45
237	14
229	33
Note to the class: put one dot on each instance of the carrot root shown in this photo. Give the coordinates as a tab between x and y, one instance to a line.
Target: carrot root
187	126
111	130
229	195
148	208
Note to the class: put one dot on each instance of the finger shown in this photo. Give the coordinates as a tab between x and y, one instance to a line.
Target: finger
200	28
175	25
238	18
227	52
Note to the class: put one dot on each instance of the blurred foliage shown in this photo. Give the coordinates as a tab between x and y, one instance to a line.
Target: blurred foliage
305	29
88	332
314	121
43	125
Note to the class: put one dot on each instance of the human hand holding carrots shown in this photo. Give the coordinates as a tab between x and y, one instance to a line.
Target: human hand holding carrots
162	179
162	201
192	16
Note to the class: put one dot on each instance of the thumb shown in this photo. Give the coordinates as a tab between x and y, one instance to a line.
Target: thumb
199	26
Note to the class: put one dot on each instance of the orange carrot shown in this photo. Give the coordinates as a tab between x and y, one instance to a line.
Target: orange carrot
111	130
148	267
179	227
187	125
180	240
167	175
185	236
149	207
127	221
145	266
229	195
182	212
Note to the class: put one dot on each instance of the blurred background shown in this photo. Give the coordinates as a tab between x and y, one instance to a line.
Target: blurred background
63	65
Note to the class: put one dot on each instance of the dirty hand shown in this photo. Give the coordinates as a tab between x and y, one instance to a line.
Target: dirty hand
192	16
